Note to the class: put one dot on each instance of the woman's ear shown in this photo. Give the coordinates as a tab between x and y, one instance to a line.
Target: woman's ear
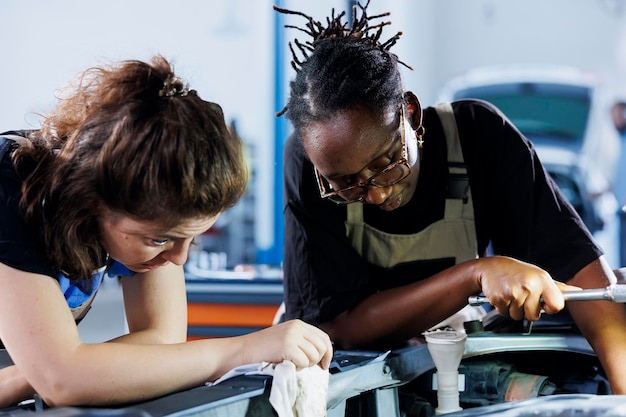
413	109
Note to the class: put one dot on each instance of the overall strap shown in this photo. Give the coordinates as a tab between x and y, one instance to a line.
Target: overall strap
458	181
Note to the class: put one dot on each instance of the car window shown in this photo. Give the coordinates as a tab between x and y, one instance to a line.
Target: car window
546	113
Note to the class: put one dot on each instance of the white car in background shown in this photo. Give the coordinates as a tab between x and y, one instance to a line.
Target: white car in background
565	112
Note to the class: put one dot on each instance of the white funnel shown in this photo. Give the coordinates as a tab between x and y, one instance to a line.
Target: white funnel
446	347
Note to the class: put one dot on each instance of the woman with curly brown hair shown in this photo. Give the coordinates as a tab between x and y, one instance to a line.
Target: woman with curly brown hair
124	173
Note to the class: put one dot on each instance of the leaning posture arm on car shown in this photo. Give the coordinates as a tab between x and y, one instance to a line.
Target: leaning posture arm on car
604	324
400	313
148	324
65	371
13	386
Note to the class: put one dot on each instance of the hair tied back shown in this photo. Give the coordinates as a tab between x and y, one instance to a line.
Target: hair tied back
173	86
361	29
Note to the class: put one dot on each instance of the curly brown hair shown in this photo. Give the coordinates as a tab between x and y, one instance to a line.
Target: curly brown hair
130	136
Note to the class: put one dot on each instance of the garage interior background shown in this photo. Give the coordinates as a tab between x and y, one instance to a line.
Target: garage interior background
235	52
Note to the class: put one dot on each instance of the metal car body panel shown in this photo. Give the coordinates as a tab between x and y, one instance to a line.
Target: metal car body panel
363	383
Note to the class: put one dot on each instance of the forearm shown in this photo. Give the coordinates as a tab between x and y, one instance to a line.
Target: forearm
127	373
602	323
113	373
155	304
151	337
396	315
13	387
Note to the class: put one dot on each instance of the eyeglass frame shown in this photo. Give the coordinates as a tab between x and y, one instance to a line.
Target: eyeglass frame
368	183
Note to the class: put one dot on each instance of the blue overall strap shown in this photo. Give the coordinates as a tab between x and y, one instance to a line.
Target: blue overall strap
77	292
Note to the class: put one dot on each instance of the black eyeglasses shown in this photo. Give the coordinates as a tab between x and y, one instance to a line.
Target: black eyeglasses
390	175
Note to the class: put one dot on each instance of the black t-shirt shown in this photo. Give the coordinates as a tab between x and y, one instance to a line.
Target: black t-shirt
519	212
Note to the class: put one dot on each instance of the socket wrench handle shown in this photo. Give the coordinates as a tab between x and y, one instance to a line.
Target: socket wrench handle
614	293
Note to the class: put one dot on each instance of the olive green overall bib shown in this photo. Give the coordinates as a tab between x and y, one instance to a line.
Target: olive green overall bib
453	236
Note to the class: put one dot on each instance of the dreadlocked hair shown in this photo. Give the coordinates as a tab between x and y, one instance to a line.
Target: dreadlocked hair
343	66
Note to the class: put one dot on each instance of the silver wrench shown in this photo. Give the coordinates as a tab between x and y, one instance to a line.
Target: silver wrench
615	293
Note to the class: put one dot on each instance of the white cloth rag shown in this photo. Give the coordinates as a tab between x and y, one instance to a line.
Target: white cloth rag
293	393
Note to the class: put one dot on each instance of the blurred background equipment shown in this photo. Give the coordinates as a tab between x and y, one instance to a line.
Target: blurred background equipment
563	112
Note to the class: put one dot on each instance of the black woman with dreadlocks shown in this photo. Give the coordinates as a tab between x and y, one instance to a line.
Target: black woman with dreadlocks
390	208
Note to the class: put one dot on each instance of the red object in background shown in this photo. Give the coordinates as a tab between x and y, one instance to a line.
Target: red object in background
221	307
218	320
